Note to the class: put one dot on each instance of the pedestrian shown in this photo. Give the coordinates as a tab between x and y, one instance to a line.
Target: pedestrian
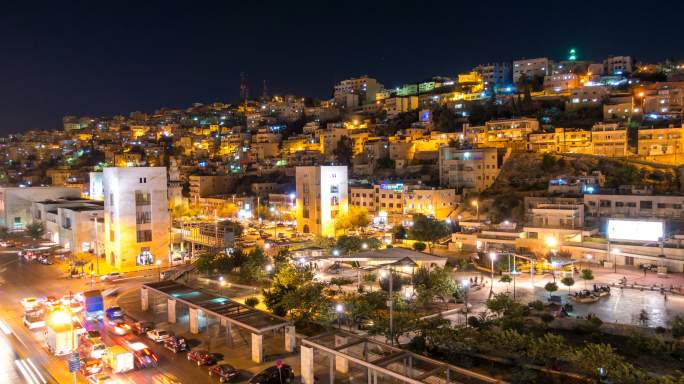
665	296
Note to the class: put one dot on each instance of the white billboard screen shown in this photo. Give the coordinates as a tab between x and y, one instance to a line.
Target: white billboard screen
635	230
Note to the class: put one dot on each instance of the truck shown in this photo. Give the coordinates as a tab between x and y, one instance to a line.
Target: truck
94	305
60	339
119	359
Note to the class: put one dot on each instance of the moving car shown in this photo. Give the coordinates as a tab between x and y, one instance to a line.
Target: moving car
91	366
114	313
121	328
224	372
201	357
144	358
30	303
158	335
34	319
176	344
101	378
274	375
141	327
111	276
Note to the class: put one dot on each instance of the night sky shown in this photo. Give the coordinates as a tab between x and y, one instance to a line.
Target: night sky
103	58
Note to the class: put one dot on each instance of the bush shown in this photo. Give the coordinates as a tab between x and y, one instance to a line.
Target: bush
252	301
677	326
537	304
419	246
546	318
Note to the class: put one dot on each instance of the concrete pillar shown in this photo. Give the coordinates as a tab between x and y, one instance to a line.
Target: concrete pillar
341	364
307	359
193	313
171	311
144	299
290	338
257	348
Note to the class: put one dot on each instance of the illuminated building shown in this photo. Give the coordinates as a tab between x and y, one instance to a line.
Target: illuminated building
208	185
664	100
137	219
561	140
531	68
390	202
363	88
15	203
494	75
661	142
561	82
634	206
618	65
321	193
472	80
396	105
587	96
503	133
609	139
468	169
95	186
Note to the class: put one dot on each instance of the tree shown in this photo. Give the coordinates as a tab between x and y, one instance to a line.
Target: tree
677	326
344	152
252	301
358	308
356	218
551	287
294	293
370	279
35	229
568	282
403	323
397	283
252	269
227	210
548	349
587	275
340	281
434	283
427	229
419	246
183	210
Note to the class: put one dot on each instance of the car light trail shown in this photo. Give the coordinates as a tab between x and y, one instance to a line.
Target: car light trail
35	369
24	372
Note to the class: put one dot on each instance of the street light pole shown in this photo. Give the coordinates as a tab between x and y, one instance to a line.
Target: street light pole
465	284
492	257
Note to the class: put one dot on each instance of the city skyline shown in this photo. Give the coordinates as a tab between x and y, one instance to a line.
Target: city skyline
95	61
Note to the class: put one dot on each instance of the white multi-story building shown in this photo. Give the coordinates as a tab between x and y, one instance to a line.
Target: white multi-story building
321	198
494	75
531	68
137	221
96	190
363	87
561	82
15	203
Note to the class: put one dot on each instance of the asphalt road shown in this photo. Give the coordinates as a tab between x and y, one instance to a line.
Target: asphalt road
19	280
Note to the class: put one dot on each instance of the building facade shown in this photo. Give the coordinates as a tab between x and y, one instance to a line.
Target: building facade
321	193
468	169
137	220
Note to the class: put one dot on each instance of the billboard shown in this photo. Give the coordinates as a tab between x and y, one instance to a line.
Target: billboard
635	230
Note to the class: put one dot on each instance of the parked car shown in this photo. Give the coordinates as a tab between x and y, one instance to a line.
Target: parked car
201	357
91	366
141	327
274	375
224	372
175	344
158	335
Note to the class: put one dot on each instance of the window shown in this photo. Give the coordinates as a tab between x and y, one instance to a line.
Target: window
662	205
143	217
143	180
334	189
631	204
677	206
144	235
142	198
112	235
66	223
305	213
646	204
619	204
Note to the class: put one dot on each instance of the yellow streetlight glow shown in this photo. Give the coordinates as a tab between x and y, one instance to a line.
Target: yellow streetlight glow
60	317
551	241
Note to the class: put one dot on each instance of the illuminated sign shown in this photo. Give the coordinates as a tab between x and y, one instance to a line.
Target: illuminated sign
392	187
635	230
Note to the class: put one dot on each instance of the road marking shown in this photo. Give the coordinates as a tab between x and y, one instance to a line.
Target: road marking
24	372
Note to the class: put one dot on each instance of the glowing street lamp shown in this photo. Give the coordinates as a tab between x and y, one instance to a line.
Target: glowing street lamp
339	308
551	241
364	246
492	257
336	252
269	268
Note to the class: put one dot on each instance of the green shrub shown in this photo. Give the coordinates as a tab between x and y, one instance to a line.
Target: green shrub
252	301
419	246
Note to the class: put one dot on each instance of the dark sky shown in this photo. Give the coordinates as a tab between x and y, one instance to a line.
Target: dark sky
103	58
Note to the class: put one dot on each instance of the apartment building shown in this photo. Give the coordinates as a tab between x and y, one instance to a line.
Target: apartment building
664	100
396	105
15	203
137	220
322	196
392	201
208	185
468	169
660	141
494	75
561	82
587	96
561	140
609	139
618	65
638	206
364	88
502	133
530	68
